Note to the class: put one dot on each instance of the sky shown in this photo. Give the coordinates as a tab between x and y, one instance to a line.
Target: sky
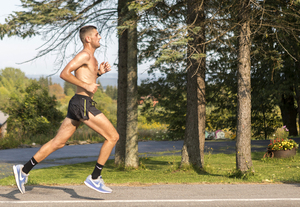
14	50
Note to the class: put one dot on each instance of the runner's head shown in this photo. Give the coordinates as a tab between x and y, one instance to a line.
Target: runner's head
90	36
86	31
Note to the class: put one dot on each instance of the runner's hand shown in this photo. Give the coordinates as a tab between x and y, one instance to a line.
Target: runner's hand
104	68
92	87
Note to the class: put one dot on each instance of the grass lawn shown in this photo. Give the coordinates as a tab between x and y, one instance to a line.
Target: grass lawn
164	169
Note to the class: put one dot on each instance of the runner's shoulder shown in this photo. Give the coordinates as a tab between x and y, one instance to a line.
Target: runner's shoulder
84	55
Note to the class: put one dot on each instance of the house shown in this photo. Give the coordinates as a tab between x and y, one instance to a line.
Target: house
143	98
3	124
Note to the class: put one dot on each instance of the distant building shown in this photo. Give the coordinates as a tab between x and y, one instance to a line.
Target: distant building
3	124
143	98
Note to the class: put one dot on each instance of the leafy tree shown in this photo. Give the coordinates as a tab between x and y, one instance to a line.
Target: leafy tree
69	88
193	148
11	81
112	92
100	87
281	54
4	96
57	91
267	71
45	81
35	114
170	91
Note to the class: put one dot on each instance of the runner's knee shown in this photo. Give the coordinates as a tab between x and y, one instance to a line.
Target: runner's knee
57	144
114	138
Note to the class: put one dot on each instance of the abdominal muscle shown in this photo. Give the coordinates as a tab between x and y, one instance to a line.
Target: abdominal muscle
86	75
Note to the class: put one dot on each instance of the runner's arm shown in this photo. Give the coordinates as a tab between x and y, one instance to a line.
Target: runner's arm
79	60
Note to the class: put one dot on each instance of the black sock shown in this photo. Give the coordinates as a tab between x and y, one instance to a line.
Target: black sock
97	171
29	165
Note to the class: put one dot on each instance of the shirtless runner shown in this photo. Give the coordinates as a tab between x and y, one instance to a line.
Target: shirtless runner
81	109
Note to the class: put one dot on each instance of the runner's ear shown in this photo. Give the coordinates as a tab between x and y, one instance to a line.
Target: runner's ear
87	39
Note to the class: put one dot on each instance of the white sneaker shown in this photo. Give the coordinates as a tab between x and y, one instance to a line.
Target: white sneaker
97	184
20	177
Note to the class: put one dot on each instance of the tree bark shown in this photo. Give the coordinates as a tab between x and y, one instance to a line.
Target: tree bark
193	148
122	87
131	155
243	143
289	114
298	106
297	90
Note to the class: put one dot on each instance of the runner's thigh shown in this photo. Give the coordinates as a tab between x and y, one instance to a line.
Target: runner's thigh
67	128
101	125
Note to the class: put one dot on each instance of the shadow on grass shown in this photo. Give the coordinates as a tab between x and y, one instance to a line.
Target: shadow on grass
171	165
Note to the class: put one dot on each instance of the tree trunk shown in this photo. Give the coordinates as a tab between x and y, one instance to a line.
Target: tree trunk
131	155
298	105
193	148
289	114
243	143
122	87
297	88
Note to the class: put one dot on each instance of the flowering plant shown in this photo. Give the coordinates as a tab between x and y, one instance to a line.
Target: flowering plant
282	144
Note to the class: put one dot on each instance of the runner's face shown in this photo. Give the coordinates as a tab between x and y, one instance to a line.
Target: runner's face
95	39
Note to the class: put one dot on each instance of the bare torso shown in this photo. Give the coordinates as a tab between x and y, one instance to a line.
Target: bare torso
87	73
86	67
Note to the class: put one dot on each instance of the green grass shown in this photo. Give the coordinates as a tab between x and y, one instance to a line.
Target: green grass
219	168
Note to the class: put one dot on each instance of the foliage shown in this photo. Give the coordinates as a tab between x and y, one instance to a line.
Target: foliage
56	90
69	88
36	113
220	107
112	92
45	81
152	130
12	81
170	91
106	105
276	58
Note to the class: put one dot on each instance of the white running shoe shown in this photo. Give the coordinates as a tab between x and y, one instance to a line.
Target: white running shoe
97	184
20	177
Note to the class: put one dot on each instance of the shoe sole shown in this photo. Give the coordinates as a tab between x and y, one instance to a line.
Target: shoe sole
16	178
88	185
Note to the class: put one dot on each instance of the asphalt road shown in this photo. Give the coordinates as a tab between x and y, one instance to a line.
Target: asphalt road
240	195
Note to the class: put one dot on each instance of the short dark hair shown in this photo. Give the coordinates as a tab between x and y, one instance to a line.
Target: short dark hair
84	30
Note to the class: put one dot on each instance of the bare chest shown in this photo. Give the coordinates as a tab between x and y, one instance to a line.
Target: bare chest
93	64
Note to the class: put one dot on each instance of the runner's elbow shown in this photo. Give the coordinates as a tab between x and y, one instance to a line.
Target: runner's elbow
62	75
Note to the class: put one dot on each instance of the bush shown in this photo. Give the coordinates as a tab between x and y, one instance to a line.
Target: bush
35	114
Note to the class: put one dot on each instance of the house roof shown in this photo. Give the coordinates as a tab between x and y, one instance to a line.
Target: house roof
3	118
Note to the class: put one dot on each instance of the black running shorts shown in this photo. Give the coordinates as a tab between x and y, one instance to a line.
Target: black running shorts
80	106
